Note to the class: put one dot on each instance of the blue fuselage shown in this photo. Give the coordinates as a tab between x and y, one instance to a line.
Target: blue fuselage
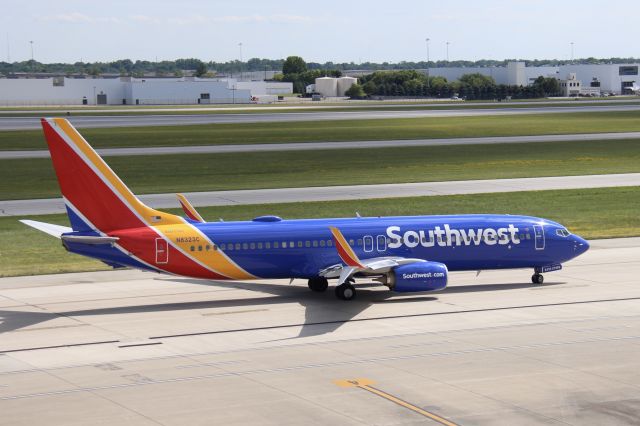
301	248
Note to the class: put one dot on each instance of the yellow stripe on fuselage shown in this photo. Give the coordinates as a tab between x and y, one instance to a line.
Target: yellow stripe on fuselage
187	236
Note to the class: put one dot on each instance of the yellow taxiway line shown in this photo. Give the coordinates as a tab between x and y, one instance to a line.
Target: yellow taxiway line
366	385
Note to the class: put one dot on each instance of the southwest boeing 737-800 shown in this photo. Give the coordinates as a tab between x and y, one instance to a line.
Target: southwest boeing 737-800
407	254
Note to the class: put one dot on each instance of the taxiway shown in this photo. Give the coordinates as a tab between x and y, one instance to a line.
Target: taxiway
142	348
84	122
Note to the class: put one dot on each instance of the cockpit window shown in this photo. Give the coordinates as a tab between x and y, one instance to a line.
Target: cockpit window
563	232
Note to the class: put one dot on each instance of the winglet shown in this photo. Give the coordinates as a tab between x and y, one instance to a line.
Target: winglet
189	210
345	251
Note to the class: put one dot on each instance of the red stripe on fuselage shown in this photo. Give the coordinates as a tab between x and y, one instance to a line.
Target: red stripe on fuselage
141	242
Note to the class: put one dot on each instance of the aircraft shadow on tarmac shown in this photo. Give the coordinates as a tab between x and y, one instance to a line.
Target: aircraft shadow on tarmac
323	312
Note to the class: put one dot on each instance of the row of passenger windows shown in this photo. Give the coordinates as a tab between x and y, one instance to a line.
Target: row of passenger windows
381	243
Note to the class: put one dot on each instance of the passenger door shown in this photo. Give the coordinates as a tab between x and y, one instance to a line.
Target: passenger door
162	251
538	232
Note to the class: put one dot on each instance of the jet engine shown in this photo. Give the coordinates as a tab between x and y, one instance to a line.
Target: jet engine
422	276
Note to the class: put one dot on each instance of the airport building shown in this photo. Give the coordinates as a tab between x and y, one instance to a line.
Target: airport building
592	79
137	91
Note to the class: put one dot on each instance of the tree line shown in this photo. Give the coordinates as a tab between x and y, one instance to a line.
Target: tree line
178	66
472	86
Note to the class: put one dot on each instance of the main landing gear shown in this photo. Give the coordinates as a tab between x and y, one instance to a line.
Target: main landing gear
537	278
345	291
318	284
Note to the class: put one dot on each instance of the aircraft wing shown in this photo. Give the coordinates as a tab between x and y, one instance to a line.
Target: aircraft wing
353	264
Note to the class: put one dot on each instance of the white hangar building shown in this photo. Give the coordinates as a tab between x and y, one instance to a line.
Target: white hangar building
610	78
137	91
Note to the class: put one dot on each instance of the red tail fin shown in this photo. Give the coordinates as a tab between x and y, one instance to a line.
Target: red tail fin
90	188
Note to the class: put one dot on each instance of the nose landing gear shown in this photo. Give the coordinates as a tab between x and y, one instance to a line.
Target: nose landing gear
537	278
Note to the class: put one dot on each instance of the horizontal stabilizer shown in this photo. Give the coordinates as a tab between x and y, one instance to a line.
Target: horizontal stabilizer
49	228
89	239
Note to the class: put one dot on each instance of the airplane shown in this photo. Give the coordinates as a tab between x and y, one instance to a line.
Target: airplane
406	254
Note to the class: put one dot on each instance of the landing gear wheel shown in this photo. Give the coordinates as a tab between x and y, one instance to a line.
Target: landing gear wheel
318	284
345	291
537	279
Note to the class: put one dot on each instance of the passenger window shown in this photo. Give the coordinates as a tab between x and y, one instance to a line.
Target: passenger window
291	244
199	248
193	248
267	245
252	246
277	244
381	242
322	243
237	246
223	246
351	243
359	242
307	243
315	243
207	247
300	244
329	243
368	243
215	247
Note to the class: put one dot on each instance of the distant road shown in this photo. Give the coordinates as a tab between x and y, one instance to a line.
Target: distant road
309	146
26	123
354	192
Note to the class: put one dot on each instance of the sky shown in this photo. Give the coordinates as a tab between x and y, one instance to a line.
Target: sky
328	30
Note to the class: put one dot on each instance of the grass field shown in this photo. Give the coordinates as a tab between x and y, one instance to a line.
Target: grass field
347	130
302	107
591	213
34	178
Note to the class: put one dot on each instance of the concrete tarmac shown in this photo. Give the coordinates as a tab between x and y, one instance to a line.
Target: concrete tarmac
30	123
311	146
352	192
140	348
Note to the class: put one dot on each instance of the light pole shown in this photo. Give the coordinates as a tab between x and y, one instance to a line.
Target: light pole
571	51
240	45
31	43
427	40
447	53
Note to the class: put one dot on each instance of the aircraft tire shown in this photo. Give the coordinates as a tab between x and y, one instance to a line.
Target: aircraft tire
345	291
537	278
318	284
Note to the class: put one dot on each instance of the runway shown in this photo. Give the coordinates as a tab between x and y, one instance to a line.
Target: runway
30	123
310	146
352	192
143	348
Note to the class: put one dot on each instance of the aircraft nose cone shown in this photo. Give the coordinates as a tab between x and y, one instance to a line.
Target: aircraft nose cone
580	245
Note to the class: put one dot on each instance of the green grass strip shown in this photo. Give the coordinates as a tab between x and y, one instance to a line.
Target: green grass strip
342	130
591	213
34	178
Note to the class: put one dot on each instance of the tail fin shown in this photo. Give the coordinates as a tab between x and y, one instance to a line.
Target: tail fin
96	198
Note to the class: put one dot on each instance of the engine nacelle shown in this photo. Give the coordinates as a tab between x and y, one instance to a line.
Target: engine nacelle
422	276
